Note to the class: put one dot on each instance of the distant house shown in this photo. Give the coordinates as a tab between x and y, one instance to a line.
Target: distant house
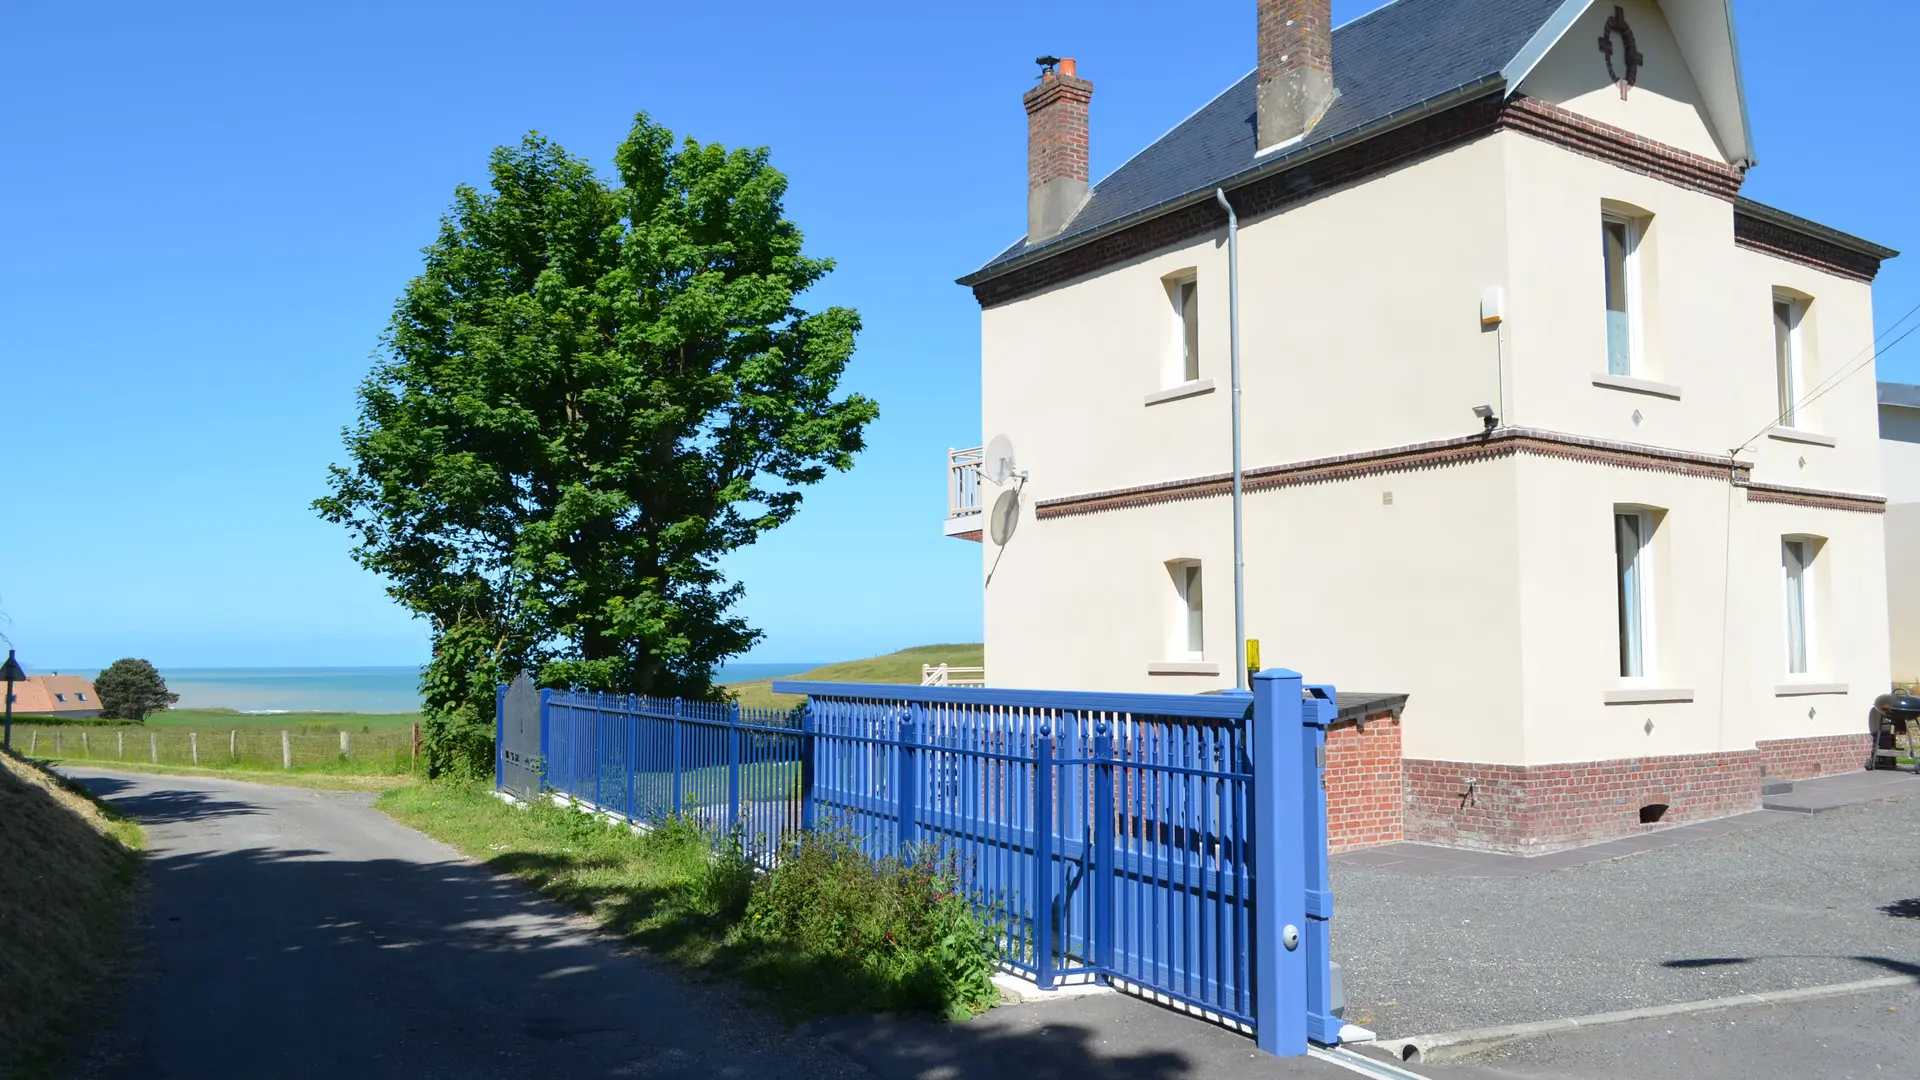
1900	479
56	695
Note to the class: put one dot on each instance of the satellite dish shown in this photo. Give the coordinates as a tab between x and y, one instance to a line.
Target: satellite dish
1005	517
996	464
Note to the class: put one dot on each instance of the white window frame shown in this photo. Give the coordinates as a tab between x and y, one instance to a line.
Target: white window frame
1636	308
1182	364
1791	383
1809	556
1643	592
1182	626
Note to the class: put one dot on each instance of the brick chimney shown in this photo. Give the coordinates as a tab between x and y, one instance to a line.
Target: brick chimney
1056	150
1296	67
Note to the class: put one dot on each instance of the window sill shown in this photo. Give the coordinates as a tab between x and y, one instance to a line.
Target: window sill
1183	667
1184	390
1808	689
1645	695
1813	438
1636	386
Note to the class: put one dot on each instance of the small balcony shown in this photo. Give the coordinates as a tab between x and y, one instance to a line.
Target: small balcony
964	511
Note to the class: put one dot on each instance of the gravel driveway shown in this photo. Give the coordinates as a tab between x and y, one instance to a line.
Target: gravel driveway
1832	897
301	933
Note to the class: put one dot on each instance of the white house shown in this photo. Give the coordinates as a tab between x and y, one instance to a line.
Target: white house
1546	427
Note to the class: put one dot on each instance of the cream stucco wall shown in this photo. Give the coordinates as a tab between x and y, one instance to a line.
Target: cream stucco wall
1485	590
1665	104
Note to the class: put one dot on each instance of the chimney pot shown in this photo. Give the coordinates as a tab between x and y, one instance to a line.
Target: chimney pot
1056	150
1295	80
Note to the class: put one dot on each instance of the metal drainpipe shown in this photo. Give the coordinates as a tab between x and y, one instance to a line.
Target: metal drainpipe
1233	339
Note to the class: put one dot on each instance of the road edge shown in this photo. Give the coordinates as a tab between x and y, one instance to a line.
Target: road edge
1447	1045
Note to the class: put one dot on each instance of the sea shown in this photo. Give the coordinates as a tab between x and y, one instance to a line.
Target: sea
344	689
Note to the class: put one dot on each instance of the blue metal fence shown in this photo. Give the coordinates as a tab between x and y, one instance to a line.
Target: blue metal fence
1176	843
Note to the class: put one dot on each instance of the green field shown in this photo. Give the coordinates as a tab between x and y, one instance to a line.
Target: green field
899	667
228	718
333	748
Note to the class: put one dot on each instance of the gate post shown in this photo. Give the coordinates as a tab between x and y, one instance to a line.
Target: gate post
632	765
806	766
1316	714
673	751
546	738
907	783
733	763
599	747
1279	878
1043	858
1103	848
499	737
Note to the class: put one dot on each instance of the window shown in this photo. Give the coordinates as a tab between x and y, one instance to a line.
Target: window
80	695
1796	557
1789	371
1620	249
1633	533
59	697
1188	637
1184	292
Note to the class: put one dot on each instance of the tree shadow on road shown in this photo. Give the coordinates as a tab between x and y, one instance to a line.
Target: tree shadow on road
165	805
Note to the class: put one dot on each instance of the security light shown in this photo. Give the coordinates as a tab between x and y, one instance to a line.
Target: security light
1485	413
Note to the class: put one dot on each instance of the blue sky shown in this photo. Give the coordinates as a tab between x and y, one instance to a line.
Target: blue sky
208	211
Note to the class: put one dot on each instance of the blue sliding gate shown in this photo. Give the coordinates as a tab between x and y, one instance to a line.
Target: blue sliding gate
1172	844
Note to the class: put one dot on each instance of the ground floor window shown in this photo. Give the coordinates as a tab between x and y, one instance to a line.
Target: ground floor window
1796	559
1187	637
1633	531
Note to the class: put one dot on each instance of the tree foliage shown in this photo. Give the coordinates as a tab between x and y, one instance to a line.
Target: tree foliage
590	394
131	689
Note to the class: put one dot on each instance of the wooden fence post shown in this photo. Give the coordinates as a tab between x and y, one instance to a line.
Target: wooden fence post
120	744
416	748
286	751
346	747
85	751
33	743
233	744
193	745
153	746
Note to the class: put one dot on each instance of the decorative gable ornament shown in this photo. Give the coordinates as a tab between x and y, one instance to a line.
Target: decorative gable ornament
1630	56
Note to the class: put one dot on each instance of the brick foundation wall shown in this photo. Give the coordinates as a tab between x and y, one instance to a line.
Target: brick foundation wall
1365	807
1815	755
1541	808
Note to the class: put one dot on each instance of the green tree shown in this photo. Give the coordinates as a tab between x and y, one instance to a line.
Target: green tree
589	395
132	689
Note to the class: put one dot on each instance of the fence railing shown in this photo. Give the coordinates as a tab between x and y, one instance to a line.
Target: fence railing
1173	843
952	675
963	482
377	750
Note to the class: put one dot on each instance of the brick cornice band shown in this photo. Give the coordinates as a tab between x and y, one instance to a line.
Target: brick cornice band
1824	500
1505	442
1771	238
1618	146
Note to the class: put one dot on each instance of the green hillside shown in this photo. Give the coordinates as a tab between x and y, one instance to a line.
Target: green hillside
899	667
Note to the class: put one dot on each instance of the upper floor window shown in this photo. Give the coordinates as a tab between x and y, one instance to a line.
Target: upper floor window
1789	366
1184	348
1620	251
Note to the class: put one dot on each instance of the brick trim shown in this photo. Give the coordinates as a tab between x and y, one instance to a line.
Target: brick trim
1823	500
1365	802
1533	809
1617	146
1814	755
1771	238
1502	443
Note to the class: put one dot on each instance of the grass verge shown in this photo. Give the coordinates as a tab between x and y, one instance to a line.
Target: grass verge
317	777
67	870
827	931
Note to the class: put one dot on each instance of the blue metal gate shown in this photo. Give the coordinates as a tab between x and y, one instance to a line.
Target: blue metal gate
1174	844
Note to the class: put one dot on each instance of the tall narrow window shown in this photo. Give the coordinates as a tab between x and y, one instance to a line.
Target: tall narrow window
1190	626
1795	557
1787	367
1631	533
1620	242
1185	346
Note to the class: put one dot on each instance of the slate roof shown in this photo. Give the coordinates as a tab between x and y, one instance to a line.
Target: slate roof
1386	62
1904	395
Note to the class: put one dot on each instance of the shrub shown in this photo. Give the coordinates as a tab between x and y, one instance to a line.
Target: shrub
888	934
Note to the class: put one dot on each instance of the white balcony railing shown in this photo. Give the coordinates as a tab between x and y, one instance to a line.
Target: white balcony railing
950	675
963	493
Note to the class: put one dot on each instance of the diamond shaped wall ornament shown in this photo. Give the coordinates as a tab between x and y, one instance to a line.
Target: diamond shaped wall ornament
1637	418
1649	727
1810	714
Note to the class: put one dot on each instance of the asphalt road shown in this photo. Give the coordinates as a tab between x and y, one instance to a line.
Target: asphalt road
1850	1038
300	933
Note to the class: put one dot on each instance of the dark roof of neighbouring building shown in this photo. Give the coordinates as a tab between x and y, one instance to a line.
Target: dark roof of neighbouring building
1905	395
1406	55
